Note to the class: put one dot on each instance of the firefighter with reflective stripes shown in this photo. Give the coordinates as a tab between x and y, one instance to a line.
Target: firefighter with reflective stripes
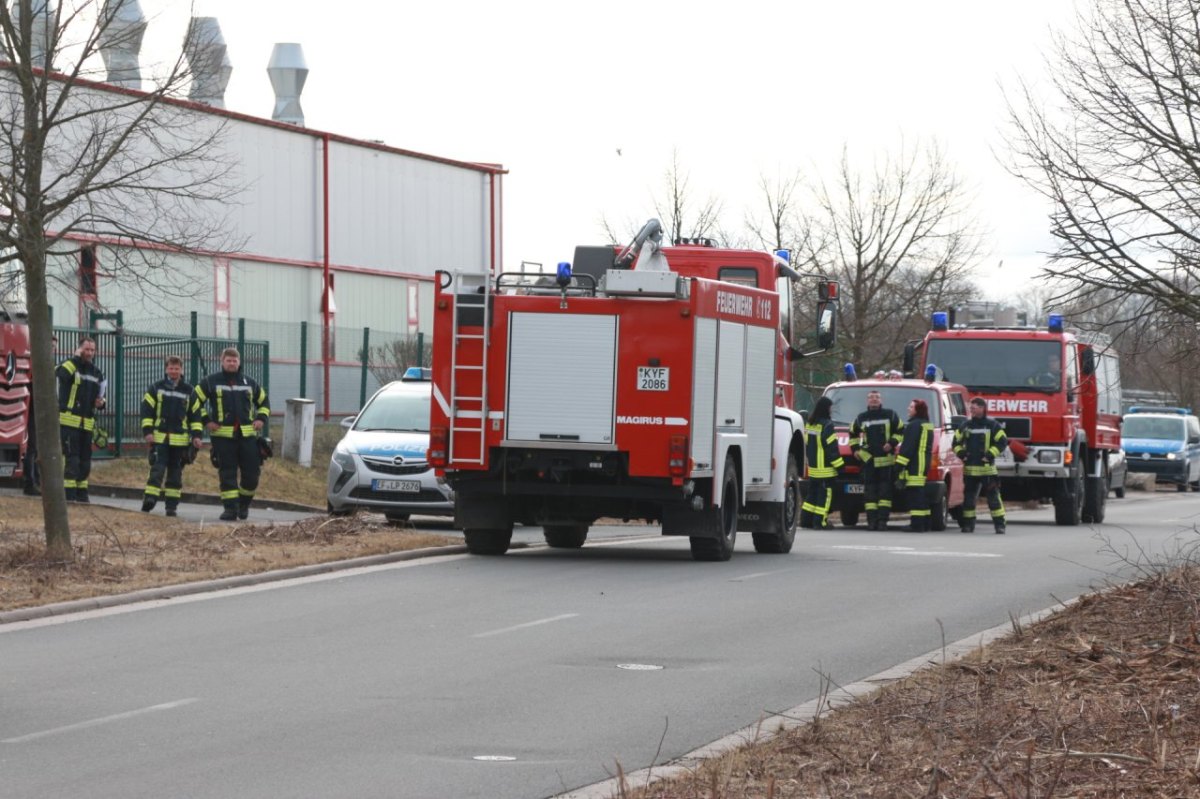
916	452
979	441
81	387
875	435
171	427
233	408
823	460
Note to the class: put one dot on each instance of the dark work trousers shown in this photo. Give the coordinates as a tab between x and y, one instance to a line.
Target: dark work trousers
877	493
990	486
918	506
168	462
234	455
77	449
814	513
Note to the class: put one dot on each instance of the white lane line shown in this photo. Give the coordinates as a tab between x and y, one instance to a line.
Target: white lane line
515	627
83	725
949	554
871	548
750	576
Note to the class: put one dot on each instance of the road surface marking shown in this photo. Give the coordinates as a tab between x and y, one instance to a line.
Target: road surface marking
83	725
949	554
750	576
515	627
872	548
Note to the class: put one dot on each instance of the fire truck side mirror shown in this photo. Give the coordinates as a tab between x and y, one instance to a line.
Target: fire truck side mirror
909	365
826	324
1089	361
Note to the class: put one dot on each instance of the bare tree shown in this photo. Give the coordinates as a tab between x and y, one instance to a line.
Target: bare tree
80	159
902	242
676	206
1116	149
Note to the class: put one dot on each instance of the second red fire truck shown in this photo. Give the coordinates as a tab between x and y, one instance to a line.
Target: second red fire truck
1058	394
647	382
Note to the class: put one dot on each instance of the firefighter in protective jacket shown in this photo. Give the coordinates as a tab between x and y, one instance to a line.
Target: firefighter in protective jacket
823	459
81	387
171	427
916	452
233	408
875	436
979	441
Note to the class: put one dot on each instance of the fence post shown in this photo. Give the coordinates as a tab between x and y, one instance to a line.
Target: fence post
366	358
195	376
420	348
241	344
266	382
303	360
120	381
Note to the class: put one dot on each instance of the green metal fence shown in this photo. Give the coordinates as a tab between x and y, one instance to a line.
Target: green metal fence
132	361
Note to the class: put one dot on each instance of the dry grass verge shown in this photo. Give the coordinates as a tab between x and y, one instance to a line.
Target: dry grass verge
1100	700
118	551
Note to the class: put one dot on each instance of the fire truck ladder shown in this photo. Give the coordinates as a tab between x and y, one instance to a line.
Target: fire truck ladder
468	412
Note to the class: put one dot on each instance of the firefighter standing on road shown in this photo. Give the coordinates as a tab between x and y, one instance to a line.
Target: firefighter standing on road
81	387
170	427
233	408
916	451
874	438
824	459
979	441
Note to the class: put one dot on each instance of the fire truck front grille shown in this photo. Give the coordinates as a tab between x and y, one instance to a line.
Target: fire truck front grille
1016	426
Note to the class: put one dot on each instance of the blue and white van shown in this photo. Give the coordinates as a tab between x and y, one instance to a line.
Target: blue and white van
1164	442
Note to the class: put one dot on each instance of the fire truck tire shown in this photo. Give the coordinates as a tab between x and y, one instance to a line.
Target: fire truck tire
492	541
849	515
1069	499
565	536
937	507
789	515
1094	496
720	547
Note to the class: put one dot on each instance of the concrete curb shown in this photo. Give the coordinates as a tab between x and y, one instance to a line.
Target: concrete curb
205	586
770	726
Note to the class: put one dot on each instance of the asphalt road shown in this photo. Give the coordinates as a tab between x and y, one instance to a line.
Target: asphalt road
521	676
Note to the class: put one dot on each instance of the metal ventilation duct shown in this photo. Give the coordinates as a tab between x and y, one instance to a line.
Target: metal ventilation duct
209	61
121	42
288	71
42	34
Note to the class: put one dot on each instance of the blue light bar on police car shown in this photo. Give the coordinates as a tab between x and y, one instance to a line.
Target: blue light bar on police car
1056	323
850	373
417	373
941	320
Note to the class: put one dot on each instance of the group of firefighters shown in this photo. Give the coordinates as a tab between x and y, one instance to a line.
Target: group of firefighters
229	405
895	455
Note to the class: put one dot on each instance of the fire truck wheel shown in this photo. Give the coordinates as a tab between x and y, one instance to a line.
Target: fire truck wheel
1068	499
725	517
849	516
565	536
789	514
488	541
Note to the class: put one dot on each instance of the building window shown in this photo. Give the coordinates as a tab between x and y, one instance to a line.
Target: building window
88	286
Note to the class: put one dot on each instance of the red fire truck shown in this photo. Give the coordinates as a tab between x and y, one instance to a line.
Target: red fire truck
1058	394
15	378
647	382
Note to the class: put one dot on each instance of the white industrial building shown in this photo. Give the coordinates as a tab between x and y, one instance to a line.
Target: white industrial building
340	233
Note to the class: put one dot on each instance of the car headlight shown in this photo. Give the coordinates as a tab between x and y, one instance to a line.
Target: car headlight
1049	456
345	460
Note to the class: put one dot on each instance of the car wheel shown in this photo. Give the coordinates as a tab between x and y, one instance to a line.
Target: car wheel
345	511
397	519
565	536
937	507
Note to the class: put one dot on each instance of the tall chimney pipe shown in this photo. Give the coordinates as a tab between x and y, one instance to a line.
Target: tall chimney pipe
288	71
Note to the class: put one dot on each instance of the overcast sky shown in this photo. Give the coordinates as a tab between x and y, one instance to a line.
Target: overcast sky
553	90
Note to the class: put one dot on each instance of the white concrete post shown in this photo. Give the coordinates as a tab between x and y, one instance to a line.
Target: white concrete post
298	420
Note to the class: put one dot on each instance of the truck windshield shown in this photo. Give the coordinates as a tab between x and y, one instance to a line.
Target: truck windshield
850	401
1136	426
987	364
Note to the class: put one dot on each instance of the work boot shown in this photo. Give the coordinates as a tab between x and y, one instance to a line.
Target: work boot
243	511
31	490
883	521
1000	528
171	510
81	495
872	521
230	513
148	504
70	494
967	527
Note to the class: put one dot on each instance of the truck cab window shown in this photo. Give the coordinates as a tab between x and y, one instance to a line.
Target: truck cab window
742	275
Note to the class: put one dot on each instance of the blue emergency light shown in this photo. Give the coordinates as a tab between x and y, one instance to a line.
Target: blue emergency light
941	320
564	274
417	373
931	373
850	373
1056	323
784	255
